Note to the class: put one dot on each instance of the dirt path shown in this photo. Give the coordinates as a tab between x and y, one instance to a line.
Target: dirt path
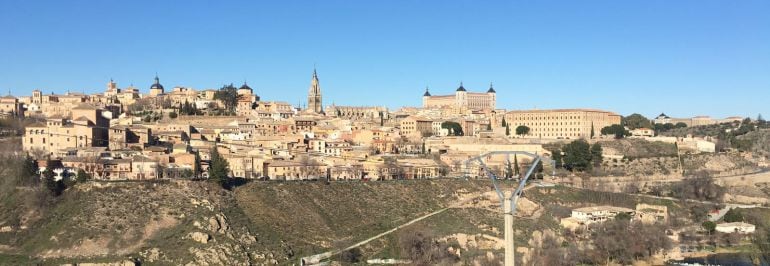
459	204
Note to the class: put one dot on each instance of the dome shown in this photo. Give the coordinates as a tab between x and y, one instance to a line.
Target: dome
157	85
461	88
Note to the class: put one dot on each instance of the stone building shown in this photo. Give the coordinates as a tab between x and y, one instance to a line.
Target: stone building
10	106
314	101
694	121
358	112
462	99
294	170
562	123
88	128
156	89
413	126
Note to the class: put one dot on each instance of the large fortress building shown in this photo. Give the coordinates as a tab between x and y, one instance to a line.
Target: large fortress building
462	99
562	123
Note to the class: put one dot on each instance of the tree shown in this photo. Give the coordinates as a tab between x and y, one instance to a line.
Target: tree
351	256
82	176
522	130
507	130
198	169
228	94
611	241
504	123
593	133
508	169
733	215
557	157
596	154
420	246
54	187
623	216
516	170
699	187
172	115
680	125
29	171
187	173
219	169
635	121
617	130
709	226
577	156
454	128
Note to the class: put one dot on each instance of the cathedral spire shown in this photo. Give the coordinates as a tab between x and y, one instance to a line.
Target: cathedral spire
314	100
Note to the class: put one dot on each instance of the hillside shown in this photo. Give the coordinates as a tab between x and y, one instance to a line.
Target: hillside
195	223
181	222
167	223
313	217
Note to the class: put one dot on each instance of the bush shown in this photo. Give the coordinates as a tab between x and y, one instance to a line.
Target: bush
699	187
709	226
418	244
351	255
733	215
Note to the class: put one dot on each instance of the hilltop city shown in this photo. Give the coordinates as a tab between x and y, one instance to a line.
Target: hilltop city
125	134
225	177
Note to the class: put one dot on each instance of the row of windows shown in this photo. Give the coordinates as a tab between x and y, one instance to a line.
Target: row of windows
553	124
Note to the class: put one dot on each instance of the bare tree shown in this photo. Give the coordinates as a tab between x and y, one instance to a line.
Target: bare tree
421	247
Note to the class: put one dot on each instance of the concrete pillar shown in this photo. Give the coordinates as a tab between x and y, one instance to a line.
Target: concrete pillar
509	252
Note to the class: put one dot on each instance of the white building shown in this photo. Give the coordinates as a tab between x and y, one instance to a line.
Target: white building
596	214
736	227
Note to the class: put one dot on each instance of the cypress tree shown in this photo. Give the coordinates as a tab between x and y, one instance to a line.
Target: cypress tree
219	169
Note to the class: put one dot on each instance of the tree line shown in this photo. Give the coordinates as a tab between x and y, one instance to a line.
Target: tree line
578	156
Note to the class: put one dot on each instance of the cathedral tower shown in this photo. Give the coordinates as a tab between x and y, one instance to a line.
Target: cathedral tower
314	102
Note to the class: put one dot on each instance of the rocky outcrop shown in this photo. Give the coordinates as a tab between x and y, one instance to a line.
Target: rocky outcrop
225	254
200	237
121	263
218	224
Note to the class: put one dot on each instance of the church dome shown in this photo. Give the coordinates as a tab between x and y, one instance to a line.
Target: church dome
156	85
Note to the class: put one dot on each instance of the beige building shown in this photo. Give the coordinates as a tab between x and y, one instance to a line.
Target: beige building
588	215
462	99
358	112
562	123
416	126
294	169
649	214
694	121
89	128
10	106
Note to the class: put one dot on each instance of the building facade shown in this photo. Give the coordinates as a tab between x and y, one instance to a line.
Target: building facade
562	123
314	101
462	99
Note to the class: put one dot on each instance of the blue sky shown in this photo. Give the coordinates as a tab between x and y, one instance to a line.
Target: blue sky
684	58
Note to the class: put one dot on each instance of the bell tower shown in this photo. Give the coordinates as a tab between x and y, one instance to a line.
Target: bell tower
314	102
